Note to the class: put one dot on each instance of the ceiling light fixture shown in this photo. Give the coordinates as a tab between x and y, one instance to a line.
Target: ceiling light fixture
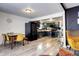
28	10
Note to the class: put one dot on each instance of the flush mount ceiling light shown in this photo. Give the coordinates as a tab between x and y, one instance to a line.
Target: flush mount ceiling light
28	10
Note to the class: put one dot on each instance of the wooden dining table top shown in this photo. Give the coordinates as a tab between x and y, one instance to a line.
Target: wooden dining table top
12	37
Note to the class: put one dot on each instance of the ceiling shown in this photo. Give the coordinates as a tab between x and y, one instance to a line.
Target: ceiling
70	5
40	9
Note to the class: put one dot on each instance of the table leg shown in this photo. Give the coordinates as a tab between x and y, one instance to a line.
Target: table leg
12	43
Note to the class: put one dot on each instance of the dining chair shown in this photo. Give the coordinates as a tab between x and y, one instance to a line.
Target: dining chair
6	39
20	38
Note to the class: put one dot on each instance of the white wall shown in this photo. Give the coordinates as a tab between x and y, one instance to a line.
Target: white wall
15	24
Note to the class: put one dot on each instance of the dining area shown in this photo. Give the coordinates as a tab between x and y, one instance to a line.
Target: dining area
12	39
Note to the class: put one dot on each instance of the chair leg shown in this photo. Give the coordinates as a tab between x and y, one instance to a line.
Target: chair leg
15	43
23	42
4	42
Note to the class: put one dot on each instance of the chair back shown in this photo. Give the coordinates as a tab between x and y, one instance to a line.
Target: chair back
4	36
7	36
70	40
20	37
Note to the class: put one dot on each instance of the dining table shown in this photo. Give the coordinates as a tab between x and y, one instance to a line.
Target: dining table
12	39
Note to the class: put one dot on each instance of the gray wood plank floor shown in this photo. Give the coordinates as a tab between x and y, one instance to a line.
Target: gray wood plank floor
42	46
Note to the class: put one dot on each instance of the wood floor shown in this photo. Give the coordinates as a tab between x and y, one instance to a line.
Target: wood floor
42	46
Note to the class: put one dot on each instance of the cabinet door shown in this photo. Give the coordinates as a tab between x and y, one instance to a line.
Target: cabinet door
34	30
27	29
